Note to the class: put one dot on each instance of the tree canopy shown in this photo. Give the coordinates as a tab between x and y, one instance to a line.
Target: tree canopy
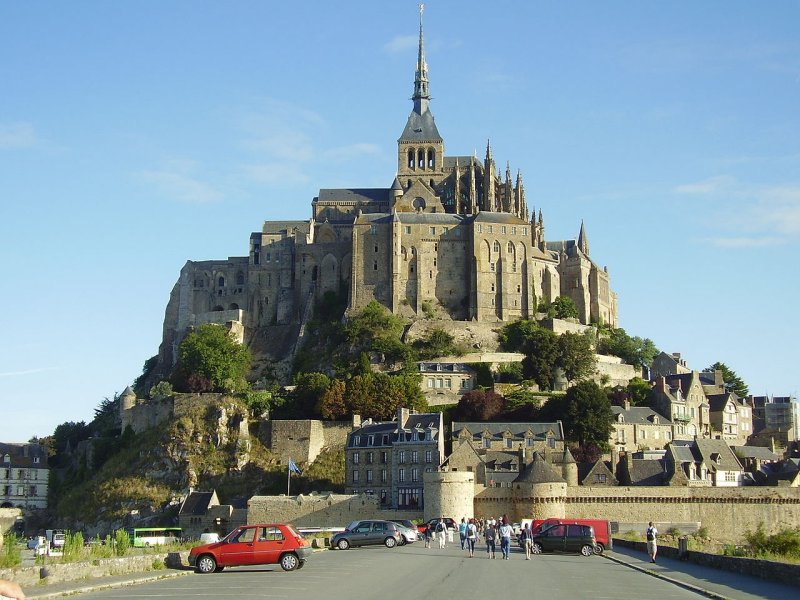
585	412
733	383
633	350
211	360
480	405
575	356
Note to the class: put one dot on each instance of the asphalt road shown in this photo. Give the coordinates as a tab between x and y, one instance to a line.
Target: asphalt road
381	573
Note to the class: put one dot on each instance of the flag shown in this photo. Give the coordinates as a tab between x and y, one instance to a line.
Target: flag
293	468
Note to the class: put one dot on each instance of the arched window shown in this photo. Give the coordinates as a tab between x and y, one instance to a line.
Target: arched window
410	159
421	159
510	248
431	159
496	246
239	278
221	282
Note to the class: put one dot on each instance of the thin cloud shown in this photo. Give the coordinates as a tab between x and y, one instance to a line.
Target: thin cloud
177	183
711	185
400	44
17	135
27	372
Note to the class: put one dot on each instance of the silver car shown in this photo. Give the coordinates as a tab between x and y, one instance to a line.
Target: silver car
368	532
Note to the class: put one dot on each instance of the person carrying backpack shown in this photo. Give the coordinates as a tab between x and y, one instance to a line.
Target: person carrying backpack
472	537
652	545
441	532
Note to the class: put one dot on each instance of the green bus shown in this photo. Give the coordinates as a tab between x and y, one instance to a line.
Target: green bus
143	537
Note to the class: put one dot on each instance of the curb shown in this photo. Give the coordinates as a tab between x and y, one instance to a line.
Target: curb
89	587
688	586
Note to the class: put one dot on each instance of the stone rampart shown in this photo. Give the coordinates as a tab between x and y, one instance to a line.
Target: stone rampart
560	326
303	440
615	370
726	512
55	572
320	510
8	516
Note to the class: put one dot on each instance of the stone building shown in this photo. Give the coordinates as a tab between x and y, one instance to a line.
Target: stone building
23	476
731	417
639	428
682	399
388	459
452	234
444	382
532	437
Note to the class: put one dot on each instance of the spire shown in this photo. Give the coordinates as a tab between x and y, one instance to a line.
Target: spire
488	180
457	188
583	240
421	96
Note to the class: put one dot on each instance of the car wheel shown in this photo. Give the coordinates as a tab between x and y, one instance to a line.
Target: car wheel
301	565
206	564
289	562
402	541
390	542
536	548
587	550
343	544
599	548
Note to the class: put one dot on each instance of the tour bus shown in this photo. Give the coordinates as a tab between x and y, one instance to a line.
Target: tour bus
154	536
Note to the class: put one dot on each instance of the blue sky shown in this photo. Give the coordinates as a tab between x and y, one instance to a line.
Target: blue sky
137	135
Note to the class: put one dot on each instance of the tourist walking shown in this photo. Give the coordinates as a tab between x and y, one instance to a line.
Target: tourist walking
526	537
490	535
472	537
652	545
441	532
426	535
505	538
462	532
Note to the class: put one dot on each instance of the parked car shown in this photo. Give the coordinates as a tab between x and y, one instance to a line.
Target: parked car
367	533
408	530
565	538
262	544
602	530
449	523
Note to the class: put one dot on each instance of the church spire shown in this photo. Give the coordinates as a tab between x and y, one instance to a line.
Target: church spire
583	240
421	96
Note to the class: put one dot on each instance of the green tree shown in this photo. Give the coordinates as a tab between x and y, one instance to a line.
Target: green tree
147	369
514	336
639	391
333	405
633	350
541	353
733	383
308	392
437	343
575	356
210	356
586	414
565	308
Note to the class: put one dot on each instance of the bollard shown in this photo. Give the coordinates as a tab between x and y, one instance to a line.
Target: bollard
683	547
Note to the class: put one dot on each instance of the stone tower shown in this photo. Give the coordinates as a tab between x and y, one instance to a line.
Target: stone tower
539	491
449	493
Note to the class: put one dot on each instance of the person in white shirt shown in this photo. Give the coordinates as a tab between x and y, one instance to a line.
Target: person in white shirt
652	545
506	531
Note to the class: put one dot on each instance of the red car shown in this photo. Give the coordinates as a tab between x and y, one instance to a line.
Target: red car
253	545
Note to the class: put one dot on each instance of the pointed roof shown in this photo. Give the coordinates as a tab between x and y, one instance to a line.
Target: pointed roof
583	240
539	471
420	125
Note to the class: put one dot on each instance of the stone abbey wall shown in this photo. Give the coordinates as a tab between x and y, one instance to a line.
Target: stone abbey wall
320	510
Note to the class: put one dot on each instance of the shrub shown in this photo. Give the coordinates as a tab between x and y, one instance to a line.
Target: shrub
122	542
158	564
10	554
73	546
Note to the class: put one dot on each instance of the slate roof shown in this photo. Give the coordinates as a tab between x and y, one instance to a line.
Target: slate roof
275	227
716	454
431	218
497	460
196	503
517	430
640	415
362	195
428	367
487	216
539	471
421	128
419	423
717	402
756	452
23	455
647	472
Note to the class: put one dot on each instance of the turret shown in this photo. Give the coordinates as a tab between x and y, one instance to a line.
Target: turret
488	181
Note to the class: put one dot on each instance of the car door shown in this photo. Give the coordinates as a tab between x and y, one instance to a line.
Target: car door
574	539
268	545
239	550
361	534
553	538
378	533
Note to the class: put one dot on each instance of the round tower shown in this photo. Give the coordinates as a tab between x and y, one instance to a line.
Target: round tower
449	494
569	468
127	401
539	491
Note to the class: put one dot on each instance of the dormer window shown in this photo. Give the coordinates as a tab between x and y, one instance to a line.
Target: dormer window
620	419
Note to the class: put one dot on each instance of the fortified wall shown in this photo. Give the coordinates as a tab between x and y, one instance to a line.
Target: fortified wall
303	440
320	510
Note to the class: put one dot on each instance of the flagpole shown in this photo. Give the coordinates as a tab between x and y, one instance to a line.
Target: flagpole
288	481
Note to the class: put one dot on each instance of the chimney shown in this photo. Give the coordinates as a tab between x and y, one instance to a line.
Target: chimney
356	422
626	403
402	416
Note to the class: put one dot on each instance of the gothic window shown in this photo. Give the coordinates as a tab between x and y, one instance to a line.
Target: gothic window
221	282
421	159
239	278
496	246
410	161
431	159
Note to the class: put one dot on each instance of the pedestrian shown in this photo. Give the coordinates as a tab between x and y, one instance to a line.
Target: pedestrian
426	536
526	537
472	536
462	532
652	545
490	535
441	532
505	538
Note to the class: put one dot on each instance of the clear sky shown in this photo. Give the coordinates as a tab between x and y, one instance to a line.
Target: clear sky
137	135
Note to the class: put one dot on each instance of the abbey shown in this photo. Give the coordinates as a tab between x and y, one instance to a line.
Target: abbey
452	234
